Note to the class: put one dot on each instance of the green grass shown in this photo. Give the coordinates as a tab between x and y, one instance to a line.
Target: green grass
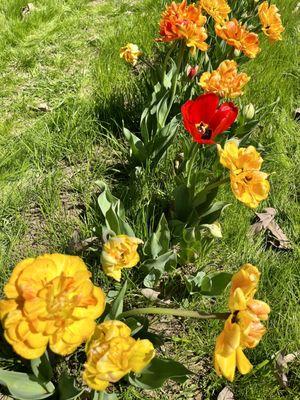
65	54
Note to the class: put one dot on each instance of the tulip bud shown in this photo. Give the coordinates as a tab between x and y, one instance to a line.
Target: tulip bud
249	111
237	53
191	72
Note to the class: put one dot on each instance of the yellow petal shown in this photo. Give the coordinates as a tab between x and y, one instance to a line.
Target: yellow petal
141	355
243	364
226	365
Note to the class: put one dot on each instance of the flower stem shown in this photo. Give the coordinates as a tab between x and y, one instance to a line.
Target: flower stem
175	312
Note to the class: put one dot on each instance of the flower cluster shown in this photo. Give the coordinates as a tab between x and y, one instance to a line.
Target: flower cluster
248	183
112	353
243	328
225	81
50	300
119	252
184	22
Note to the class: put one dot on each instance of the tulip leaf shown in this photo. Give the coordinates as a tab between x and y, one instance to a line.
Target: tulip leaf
159	241
163	140
24	386
136	145
42	369
156	267
213	213
104	396
159	371
117	305
67	388
113	211
216	284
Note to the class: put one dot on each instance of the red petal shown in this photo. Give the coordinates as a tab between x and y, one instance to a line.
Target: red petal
223	118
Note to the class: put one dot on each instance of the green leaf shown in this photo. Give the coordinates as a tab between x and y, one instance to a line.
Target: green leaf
156	267
104	396
159	241
163	139
117	305
159	371
213	213
67	388
24	386
193	283
182	202
41	368
216	284
214	229
113	211
136	145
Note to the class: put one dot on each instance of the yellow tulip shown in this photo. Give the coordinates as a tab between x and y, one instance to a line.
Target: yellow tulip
119	252
112	353
248	183
225	81
50	300
243	328
130	53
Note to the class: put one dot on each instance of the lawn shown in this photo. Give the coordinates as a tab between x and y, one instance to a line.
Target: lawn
64	94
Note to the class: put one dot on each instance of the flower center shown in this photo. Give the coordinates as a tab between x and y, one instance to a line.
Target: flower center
204	130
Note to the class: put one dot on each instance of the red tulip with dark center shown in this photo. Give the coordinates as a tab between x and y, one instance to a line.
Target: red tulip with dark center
204	120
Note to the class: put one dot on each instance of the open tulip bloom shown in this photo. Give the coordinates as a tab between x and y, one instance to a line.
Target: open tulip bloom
204	119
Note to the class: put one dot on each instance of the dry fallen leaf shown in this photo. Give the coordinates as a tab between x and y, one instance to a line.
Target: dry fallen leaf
282	367
275	235
76	245
226	394
150	294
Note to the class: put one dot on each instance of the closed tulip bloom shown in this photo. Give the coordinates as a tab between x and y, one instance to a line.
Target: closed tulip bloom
218	9
184	22
236	35
112	353
271	21
131	53
119	252
50	300
225	81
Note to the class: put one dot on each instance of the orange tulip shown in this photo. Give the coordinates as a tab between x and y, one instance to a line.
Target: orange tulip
271	21
236	35
225	81
218	9
184	22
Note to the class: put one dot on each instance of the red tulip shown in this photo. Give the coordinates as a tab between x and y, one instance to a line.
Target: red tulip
204	120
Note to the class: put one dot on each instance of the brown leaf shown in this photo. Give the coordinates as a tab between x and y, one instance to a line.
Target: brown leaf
266	222
76	245
150	294
282	367
226	394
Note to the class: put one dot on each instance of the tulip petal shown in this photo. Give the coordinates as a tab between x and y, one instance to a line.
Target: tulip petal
243	364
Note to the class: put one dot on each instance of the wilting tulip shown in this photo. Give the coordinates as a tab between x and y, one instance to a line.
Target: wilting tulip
271	21
218	9
191	72
204	120
238	36
131	53
243	328
119	252
50	300
225	81
184	22
112	353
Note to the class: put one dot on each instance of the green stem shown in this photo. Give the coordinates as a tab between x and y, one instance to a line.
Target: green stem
217	184
190	162
175	312
175	82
